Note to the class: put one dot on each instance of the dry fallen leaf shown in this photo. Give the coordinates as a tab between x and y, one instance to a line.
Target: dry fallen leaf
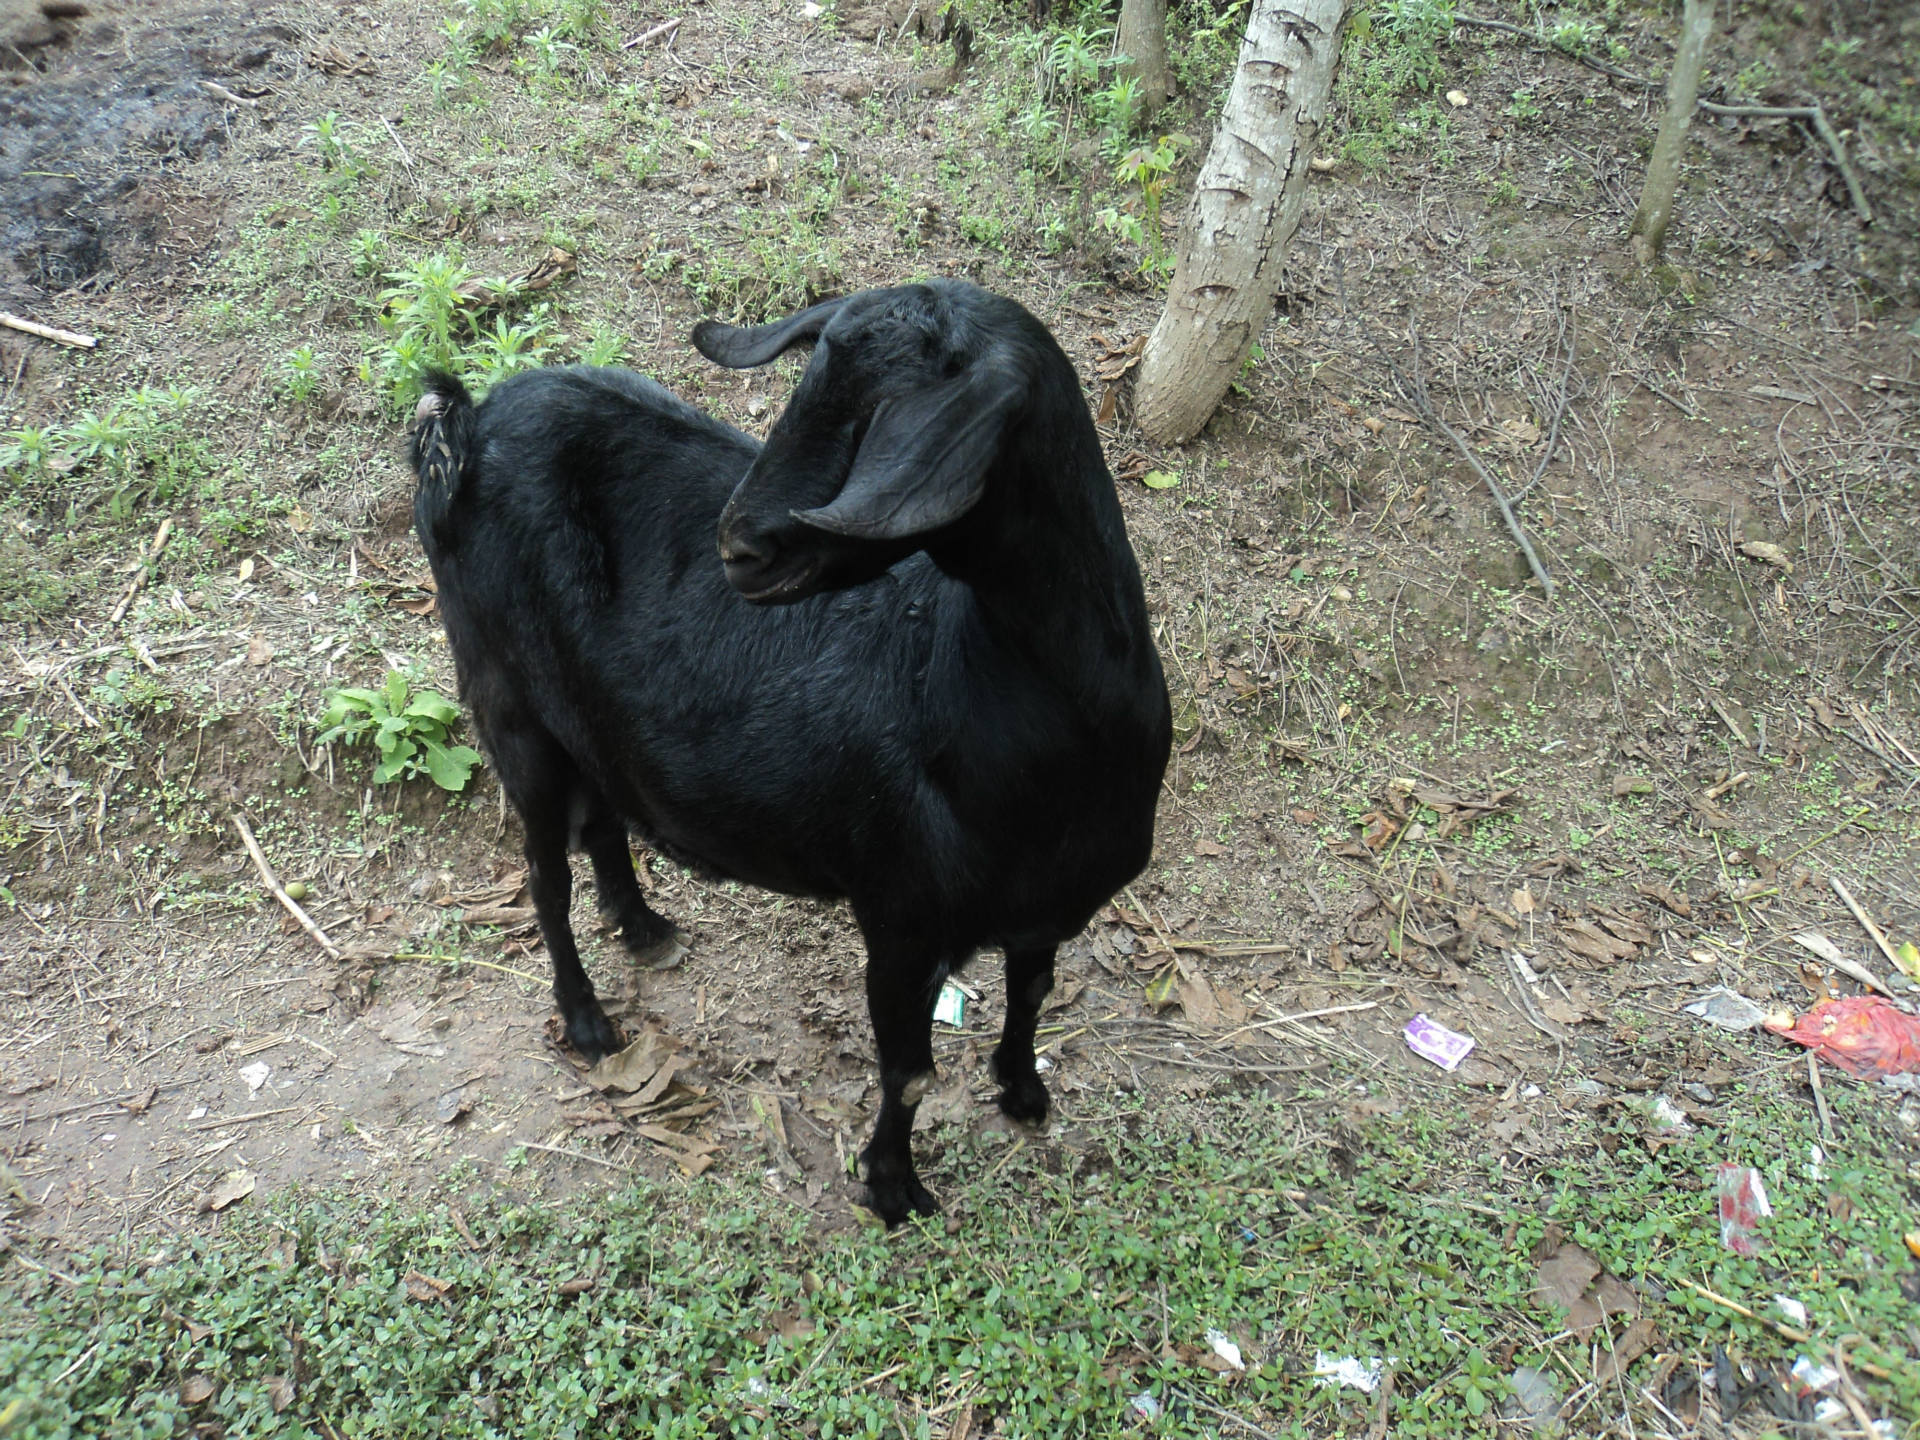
635	1067
196	1389
1771	554
425	1287
234	1186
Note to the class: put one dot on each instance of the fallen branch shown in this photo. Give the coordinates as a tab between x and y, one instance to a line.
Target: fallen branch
279	892
1815	114
665	27
394	135
221	92
1798	1337
1416	394
47	332
145	572
1866	924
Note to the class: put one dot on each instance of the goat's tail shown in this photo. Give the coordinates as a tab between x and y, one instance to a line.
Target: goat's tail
442	451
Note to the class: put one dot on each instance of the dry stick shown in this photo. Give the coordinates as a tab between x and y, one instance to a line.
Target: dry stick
47	332
578	1155
1799	1337
394	135
221	92
1817	117
1820	1098
279	893
1815	114
1416	394
145	571
665	27
1879	937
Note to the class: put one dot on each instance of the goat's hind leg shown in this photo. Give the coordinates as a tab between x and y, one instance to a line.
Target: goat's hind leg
646	933
542	781
1023	1096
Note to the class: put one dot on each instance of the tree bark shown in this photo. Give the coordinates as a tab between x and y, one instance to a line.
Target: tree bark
1143	40
1245	207
1649	229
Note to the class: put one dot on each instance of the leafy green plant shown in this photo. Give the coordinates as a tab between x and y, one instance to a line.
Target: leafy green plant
1147	169
1116	110
30	449
549	50
605	346
368	250
507	347
303	370
409	729
337	143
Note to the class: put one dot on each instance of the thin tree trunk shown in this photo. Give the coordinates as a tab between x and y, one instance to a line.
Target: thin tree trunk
1143	40
1245	207
1649	229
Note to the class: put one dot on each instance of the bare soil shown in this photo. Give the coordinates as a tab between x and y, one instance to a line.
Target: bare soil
1406	780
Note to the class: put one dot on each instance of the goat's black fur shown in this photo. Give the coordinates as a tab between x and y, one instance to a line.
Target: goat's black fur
956	718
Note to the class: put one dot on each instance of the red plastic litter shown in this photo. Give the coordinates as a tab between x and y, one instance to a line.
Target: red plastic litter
1862	1034
1743	1205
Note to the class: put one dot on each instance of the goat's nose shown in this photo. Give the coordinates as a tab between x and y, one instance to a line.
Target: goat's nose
734	550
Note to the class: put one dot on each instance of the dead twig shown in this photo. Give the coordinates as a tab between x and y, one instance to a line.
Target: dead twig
279	891
141	575
47	332
1874	931
1799	1337
579	1155
665	27
394	135
1820	1098
1815	115
221	92
1416	394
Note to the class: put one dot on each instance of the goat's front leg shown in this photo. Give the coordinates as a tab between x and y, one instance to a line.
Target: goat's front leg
1029	981
646	933
901	990
550	878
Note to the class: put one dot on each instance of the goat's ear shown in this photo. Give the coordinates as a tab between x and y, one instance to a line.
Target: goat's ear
739	347
923	463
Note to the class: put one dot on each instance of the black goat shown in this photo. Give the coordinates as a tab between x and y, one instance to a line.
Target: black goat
955	718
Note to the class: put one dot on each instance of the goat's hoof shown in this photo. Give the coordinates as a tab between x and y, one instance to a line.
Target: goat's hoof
594	1035
1022	1097
898	1201
650	938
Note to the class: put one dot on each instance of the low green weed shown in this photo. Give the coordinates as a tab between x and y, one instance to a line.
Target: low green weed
409	730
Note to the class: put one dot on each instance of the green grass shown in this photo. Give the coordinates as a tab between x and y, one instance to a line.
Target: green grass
1055	1300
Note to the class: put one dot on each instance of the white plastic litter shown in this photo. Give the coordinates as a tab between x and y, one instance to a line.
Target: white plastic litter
1348	1370
1795	1312
255	1075
1814	1375
951	1007
1726	1009
1226	1349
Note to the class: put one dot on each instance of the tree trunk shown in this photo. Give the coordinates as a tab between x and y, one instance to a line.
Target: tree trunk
1143	40
1649	229
1245	207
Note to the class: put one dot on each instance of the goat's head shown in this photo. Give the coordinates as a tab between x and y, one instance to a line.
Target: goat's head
888	439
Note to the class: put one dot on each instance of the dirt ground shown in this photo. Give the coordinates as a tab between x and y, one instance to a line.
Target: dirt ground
1406	780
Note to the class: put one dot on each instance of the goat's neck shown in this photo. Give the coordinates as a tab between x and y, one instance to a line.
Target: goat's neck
1047	558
